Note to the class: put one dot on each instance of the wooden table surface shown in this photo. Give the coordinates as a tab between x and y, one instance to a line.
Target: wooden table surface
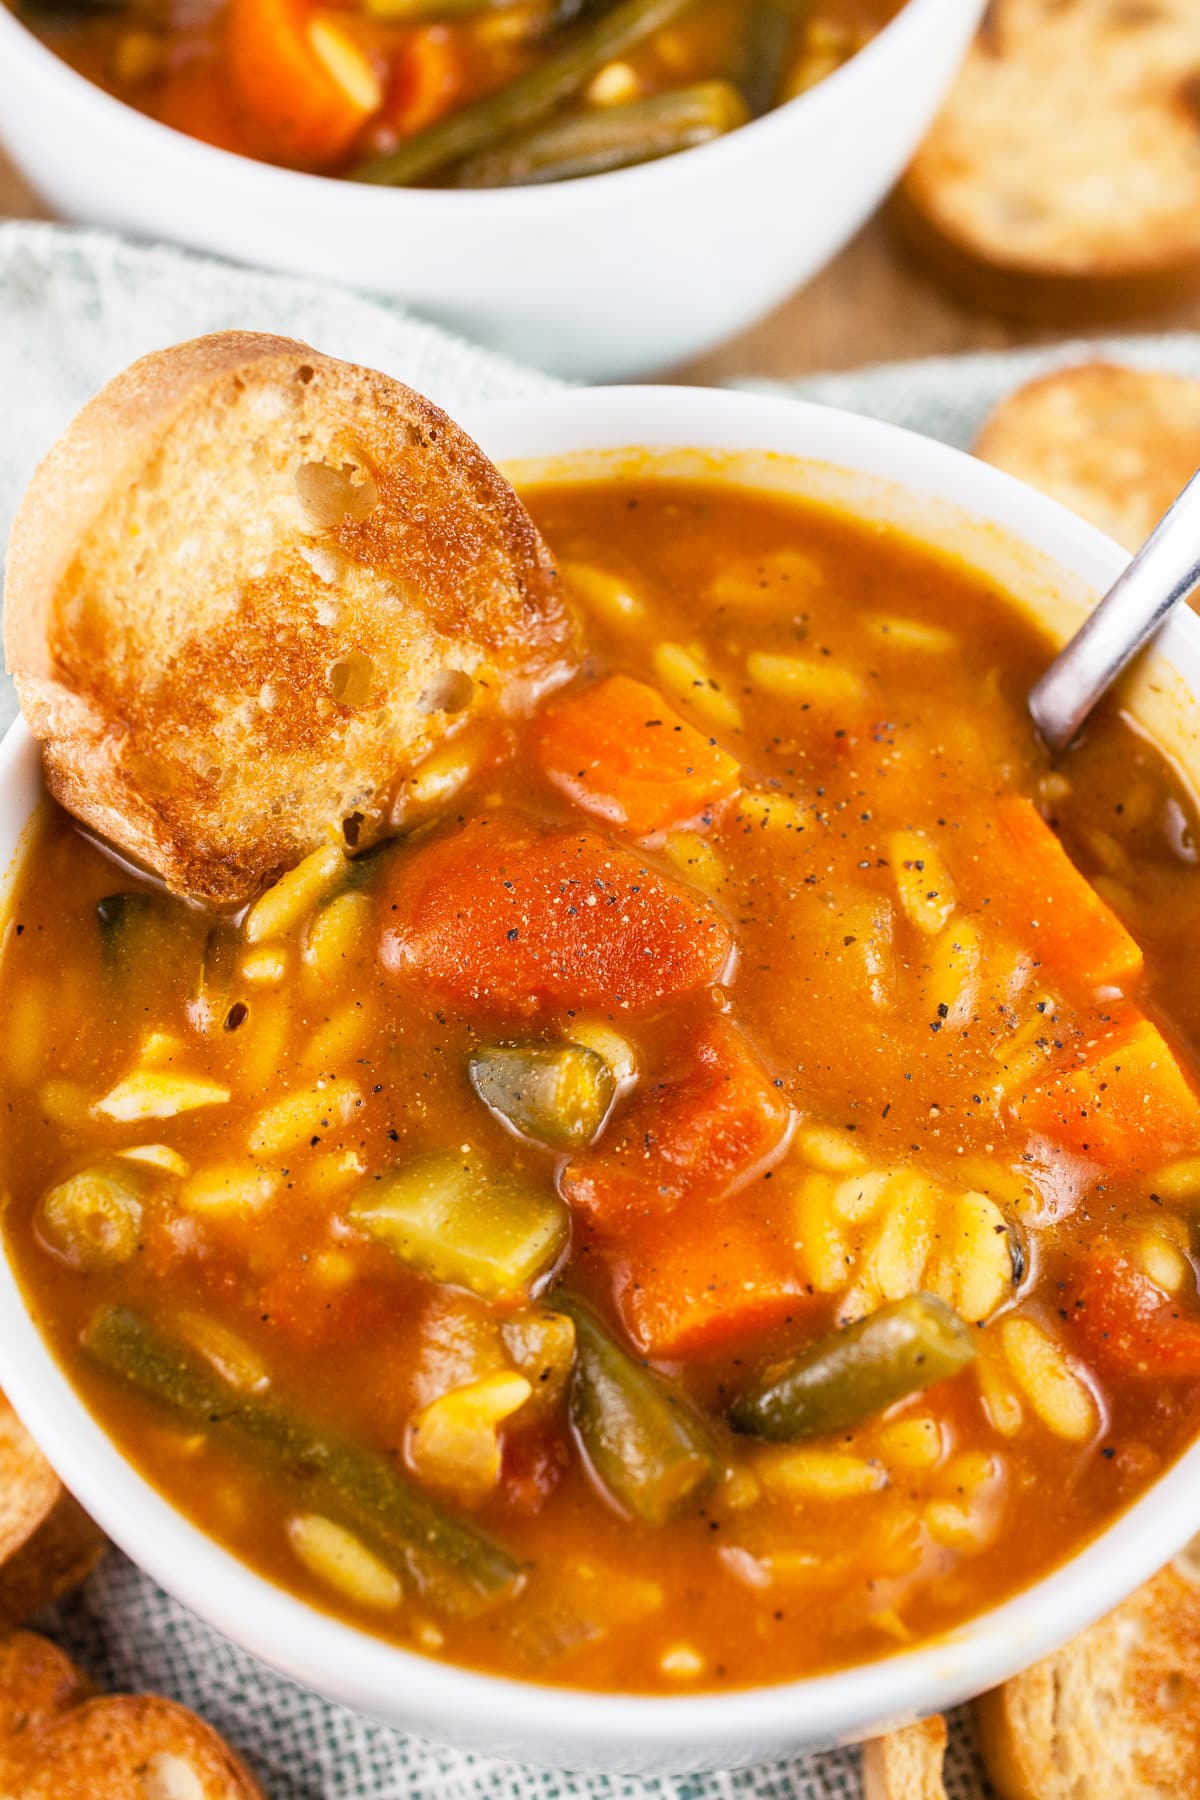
870	305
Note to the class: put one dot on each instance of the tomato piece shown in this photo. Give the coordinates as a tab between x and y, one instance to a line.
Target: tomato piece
1128	1105
1129	1326
303	84
1036	888
705	1130
620	752
681	1292
308	1311
506	917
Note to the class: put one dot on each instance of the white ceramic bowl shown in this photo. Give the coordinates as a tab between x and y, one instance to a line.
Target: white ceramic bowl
1055	564
608	277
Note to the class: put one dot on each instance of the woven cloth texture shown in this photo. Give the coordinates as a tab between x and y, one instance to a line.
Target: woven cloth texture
74	308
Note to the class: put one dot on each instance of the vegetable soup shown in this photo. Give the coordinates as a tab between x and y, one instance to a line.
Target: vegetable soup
710	1199
473	93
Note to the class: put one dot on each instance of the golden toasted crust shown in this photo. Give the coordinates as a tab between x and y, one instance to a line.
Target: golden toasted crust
129	1747
1113	444
57	1743
1115	1715
248	589
38	1685
47	1542
1061	180
907	1764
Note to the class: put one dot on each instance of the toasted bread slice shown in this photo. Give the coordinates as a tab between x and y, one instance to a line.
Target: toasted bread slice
248	589
131	1747
1113	444
1061	180
907	1764
38	1685
47	1542
1115	1715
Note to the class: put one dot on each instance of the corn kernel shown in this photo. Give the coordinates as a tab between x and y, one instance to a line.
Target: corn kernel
156	1156
1058	1395
148	1094
807	1474
603	593
336	1557
681	1663
913	634
299	1117
911	1444
283	906
686	674
924	885
1178	1180
807	681
612	85
236	1188
832	1151
264	968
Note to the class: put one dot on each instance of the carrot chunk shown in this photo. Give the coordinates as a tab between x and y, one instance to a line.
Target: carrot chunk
1037	889
727	1276
503	916
618	751
1128	1105
695	1136
305	86
427	80
1126	1324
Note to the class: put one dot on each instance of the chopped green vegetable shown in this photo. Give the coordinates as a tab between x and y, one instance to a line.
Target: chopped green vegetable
453	1566
556	1094
531	97
455	1221
93	1220
854	1373
597	139
647	1446
768	29
134	931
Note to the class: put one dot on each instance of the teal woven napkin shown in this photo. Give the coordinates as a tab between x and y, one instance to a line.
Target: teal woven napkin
74	308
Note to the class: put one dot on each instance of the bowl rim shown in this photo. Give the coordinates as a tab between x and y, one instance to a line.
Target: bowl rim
898	34
401	1686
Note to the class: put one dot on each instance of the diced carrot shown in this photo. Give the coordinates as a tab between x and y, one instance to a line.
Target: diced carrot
621	753
1126	1324
193	99
503	916
1036	889
427	81
693	1137
304	84
726	1276
1129	1105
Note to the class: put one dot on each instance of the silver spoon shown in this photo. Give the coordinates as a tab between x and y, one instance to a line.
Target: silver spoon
1164	572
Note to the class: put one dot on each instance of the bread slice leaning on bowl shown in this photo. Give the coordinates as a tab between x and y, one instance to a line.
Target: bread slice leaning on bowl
248	590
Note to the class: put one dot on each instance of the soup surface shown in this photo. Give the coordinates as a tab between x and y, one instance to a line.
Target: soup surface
710	1200
476	93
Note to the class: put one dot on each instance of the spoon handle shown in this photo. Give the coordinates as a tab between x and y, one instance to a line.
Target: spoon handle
1164	571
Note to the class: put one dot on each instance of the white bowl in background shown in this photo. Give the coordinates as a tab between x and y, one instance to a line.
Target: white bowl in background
1054	565
615	275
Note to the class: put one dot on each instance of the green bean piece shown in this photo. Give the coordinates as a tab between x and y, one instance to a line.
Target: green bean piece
453	1566
555	79
557	1094
903	1347
93	1220
597	139
134	930
648	1448
447	1217
768	33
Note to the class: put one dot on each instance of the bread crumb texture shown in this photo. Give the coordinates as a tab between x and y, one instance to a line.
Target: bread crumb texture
1069	149
907	1764
1115	1714
1116	445
249	590
58	1743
